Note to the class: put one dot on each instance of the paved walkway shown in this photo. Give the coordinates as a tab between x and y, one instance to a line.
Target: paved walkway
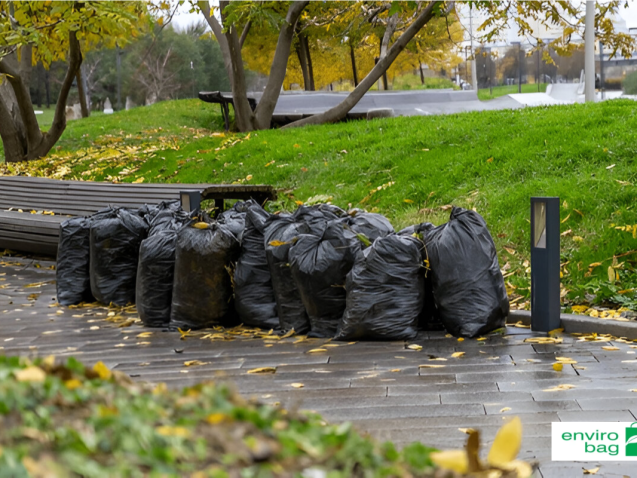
380	386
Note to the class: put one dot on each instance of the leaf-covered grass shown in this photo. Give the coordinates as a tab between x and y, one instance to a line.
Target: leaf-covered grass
68	420
497	91
409	169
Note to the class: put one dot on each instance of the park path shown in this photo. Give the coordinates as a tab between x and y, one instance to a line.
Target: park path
382	387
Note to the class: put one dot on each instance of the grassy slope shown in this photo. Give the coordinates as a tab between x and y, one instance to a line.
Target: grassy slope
433	161
497	91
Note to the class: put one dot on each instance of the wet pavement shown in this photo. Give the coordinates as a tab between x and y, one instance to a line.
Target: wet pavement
385	388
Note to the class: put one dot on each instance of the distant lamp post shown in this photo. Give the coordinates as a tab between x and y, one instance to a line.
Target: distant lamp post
190	200
545	263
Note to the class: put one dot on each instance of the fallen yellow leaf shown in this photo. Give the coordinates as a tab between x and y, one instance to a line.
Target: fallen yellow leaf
506	444
316	351
505	409
558	388
610	347
193	363
454	460
168	431
277	243
30	374
431	366
566	360
102	370
297	385
414	347
216	418
457	354
263	370
544	340
201	225
72	384
558	366
591	471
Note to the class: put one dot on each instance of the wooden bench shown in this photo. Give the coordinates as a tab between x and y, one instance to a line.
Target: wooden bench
224	99
36	232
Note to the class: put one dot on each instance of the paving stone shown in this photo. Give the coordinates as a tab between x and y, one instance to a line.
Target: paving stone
327	393
415	380
597	416
485	397
324	404
582	393
508	376
453	422
339	414
526	407
608	403
414	389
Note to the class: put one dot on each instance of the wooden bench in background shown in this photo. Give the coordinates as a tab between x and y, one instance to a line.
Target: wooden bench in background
38	233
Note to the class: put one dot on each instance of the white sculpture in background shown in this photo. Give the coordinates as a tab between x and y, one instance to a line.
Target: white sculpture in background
108	108
129	103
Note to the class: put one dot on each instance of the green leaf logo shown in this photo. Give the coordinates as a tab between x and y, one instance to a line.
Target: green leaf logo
632	439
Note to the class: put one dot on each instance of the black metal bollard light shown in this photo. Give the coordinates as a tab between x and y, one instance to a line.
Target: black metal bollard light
545	263
190	200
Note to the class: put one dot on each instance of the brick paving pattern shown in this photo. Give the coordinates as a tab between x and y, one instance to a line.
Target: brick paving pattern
379	386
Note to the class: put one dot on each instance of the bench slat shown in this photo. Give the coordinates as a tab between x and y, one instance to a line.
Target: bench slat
39	233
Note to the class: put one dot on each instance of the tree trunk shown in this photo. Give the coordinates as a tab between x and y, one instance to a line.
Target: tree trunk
339	111
12	141
305	45
82	94
265	108
33	143
392	23
300	53
217	30
422	74
353	59
47	89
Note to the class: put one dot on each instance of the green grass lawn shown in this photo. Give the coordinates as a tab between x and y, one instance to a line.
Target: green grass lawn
497	91
409	169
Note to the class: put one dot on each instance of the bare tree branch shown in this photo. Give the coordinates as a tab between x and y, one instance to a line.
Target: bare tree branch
244	34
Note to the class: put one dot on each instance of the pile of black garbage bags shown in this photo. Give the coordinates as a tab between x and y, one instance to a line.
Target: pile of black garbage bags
321	271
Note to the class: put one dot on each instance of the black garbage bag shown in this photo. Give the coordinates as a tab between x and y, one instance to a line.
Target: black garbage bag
116	235
254	295
149	211
202	287
280	233
166	215
73	279
370	224
313	219
235	217
385	291
155	273
467	283
320	264
430	316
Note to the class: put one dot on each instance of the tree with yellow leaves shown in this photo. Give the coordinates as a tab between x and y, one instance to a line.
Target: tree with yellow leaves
32	32
393	24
